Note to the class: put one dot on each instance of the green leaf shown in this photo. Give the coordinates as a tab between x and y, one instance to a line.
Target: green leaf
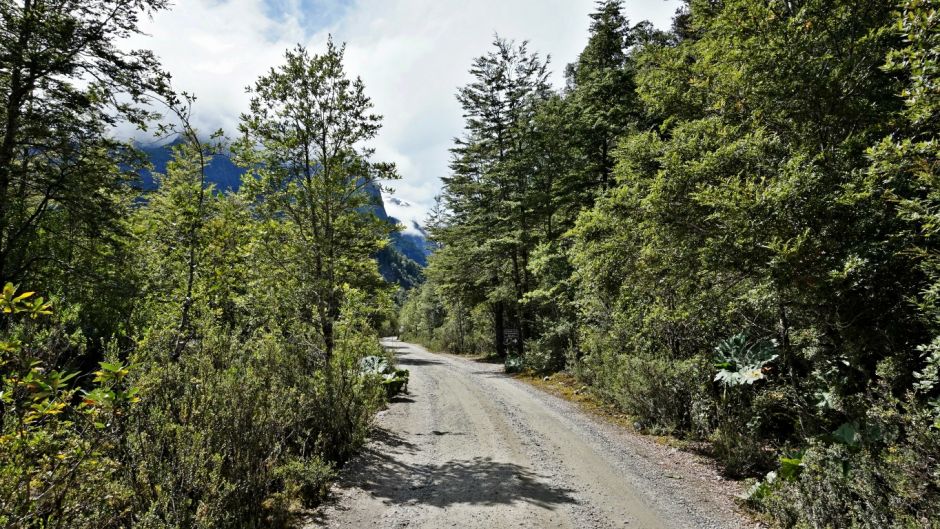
848	434
790	467
23	296
107	366
739	363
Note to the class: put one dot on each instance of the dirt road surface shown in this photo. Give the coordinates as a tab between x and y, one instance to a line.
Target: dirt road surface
471	447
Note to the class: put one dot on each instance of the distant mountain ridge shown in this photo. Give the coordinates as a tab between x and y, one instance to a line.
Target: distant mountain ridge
401	262
413	244
221	171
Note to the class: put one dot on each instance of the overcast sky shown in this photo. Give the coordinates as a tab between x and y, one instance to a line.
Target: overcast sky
411	54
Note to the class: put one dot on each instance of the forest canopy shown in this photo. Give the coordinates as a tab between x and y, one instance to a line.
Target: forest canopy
179	357
727	231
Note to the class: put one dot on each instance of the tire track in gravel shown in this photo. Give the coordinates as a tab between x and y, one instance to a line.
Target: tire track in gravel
472	447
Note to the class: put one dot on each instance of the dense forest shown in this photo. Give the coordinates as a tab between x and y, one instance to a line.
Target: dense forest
728	231
178	357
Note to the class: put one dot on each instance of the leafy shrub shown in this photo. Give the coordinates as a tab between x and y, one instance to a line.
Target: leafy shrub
543	355
739	362
243	429
513	364
209	429
393	380
656	391
374	365
305	479
879	475
59	445
342	413
739	450
737	440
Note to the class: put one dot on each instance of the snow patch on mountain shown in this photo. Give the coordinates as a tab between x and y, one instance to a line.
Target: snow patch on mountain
399	202
410	215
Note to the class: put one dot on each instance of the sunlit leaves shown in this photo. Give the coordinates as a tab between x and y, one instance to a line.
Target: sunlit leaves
13	303
53	443
742	363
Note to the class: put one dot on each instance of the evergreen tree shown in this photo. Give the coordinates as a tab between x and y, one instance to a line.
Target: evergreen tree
488	195
602	94
303	142
715	246
906	165
64	81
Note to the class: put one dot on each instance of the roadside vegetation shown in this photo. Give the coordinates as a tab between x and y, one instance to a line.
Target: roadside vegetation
728	231
182	357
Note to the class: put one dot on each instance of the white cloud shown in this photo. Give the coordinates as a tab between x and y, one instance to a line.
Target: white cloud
412	55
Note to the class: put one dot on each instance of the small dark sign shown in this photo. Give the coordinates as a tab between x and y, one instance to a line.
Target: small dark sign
511	335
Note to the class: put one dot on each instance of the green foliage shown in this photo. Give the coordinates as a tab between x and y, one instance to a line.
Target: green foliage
66	78
393	380
513	364
220	435
59	444
888	481
766	169
227	333
741	363
445	324
663	395
238	398
374	365
304	145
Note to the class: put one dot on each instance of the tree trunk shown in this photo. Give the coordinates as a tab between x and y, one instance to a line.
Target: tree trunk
499	311
14	104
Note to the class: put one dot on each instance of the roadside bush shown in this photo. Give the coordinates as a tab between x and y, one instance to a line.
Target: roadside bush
345	408
545	354
297	478
211	429
393	380
60	463
741	453
655	391
738	430
737	411
241	431
884	475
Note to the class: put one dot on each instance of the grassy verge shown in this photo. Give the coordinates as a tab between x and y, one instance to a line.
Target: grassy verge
566	386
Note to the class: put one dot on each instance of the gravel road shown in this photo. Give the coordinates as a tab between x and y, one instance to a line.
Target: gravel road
472	447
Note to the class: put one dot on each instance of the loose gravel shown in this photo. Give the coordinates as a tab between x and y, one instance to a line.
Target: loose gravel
471	447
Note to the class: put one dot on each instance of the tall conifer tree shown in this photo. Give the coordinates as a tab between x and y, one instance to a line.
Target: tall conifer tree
488	193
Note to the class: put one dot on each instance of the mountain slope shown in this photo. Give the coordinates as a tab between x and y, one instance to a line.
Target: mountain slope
401	262
221	171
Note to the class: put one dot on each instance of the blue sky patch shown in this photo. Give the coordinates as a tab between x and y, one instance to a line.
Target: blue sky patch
314	15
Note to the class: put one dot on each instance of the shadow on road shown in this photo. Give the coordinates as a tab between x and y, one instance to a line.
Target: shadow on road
406	360
403	356
384	473
491	374
391	441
